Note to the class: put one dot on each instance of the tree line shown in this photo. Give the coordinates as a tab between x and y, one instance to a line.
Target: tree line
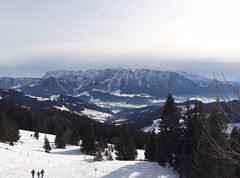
69	128
185	142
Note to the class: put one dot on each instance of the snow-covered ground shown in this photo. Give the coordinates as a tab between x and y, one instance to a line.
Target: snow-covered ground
97	115
28	154
121	105
154	127
62	108
52	98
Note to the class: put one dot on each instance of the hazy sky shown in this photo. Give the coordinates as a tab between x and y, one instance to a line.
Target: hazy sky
202	36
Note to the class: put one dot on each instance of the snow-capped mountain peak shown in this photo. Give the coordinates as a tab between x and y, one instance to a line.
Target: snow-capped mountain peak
61	73
196	78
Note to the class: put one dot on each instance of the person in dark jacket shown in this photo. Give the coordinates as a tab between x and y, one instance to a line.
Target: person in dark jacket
42	172
38	174
33	173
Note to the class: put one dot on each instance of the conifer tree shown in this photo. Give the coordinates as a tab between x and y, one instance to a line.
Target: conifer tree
150	151
88	140
15	131
125	146
47	145
36	134
208	162
75	137
192	121
98	156
60	139
4	127
8	129
169	142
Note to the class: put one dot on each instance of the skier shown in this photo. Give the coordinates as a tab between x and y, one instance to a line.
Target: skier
33	173
38	174
42	172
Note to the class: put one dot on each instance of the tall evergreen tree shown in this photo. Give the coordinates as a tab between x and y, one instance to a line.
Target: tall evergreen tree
125	146
4	127
191	132
36	134
169	142
208	162
88	140
75	137
150	151
47	145
13	131
60	138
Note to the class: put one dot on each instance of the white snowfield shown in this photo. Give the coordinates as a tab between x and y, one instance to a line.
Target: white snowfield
97	115
28	154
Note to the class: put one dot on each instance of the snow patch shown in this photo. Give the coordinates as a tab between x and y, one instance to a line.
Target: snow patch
203	99
38	98
97	115
15	86
154	127
54	97
142	95
115	104
98	90
62	108
85	93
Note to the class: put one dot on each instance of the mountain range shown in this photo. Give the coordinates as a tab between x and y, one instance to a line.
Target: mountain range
132	86
110	94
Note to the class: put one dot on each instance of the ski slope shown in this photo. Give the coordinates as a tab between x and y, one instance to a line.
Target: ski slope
28	154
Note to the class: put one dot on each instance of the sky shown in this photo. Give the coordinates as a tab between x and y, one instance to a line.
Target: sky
180	35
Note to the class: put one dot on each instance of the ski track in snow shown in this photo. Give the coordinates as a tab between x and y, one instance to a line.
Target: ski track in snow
28	154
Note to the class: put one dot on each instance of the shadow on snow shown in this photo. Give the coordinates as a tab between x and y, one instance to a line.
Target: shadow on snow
141	170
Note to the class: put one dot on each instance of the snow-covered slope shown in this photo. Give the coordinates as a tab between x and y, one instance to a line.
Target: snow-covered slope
28	154
201	80
130	83
153	128
16	83
63	103
117	86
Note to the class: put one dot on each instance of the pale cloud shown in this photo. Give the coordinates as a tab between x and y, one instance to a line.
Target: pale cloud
90	32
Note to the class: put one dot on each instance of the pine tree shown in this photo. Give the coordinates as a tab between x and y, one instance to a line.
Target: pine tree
75	137
9	130
192	121
88	141
36	134
100	145
15	135
208	163
150	151
60	139
169	142
98	156
47	145
125	147
4	128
